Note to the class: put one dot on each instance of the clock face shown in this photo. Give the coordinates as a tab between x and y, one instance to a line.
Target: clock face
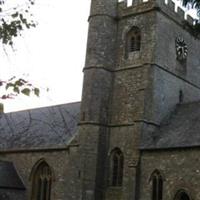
181	49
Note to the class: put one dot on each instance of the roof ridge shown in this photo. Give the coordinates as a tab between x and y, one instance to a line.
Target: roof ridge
37	108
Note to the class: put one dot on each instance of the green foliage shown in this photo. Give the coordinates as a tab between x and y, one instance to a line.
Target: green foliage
13	20
15	17
16	86
36	91
26	91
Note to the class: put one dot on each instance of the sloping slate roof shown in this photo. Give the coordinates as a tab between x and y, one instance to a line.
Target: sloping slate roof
47	127
181	130
9	177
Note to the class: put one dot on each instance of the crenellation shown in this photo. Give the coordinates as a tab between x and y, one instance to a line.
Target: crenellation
171	5
122	4
128	3
162	4
190	19
181	13
167	6
137	2
195	21
177	10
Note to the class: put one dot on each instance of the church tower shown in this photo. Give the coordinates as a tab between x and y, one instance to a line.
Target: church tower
139	66
96	97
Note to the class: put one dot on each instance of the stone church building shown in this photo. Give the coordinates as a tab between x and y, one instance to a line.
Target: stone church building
136	133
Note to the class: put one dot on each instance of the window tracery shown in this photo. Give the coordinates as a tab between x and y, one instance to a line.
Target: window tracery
157	185
41	182
116	167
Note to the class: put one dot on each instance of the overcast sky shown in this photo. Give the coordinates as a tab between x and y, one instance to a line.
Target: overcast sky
52	55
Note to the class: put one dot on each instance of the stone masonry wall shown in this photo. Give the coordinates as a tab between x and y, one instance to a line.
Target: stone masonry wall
131	79
65	185
169	75
179	168
126	138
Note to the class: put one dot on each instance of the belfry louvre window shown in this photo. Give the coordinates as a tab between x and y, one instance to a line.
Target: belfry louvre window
41	182
133	40
116	167
157	185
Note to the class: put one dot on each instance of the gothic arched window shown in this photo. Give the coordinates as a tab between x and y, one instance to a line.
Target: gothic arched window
41	181
181	195
116	167
157	185
133	40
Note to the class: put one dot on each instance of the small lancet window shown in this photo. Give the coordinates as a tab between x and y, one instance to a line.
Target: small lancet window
157	185
41	182
133	40
116	167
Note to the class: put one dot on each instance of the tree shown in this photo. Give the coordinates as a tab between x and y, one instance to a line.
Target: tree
194	4
15	17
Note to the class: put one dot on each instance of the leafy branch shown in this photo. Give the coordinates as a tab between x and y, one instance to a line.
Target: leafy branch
16	86
14	20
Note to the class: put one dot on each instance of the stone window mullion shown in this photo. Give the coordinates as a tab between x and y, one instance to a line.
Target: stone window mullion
41	183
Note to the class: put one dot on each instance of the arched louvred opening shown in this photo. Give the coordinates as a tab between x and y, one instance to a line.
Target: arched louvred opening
157	185
116	167
133	40
41	177
182	195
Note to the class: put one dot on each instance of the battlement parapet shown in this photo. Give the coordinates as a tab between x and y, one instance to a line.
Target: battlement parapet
125	9
166	6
